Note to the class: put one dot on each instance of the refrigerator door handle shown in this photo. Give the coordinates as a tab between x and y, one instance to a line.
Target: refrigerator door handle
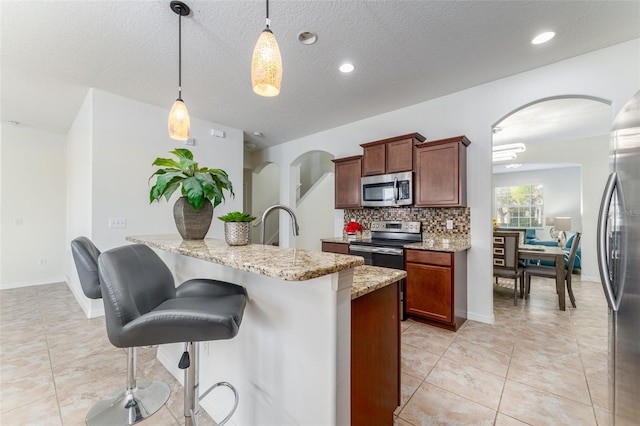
603	265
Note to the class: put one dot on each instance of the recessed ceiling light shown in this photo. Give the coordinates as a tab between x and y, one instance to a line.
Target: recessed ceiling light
347	67
543	37
257	133
307	37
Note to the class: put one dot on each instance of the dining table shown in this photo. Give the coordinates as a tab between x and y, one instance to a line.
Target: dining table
552	253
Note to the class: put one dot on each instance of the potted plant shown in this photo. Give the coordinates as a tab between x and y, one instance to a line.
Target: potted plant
352	229
237	228
199	186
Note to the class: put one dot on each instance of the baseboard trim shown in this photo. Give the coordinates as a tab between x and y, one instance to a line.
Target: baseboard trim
487	319
45	281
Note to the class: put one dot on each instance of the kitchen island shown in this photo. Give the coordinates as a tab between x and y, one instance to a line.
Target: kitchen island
291	360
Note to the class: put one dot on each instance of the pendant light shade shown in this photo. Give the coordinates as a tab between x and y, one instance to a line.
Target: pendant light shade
266	65
179	122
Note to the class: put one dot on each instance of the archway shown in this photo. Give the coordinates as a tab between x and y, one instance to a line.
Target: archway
560	144
312	174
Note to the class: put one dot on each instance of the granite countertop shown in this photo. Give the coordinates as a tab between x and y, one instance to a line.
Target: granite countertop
367	279
277	262
449	245
433	243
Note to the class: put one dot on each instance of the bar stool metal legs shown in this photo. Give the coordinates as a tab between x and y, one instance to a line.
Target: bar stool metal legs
136	402
192	389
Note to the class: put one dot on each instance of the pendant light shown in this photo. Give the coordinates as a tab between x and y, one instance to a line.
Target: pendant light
179	122
266	65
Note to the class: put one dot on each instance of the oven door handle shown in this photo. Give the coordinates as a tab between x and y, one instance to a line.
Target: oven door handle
361	249
381	250
390	251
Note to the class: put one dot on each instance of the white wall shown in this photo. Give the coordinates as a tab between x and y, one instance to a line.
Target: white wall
33	205
112	144
265	191
612	74
315	214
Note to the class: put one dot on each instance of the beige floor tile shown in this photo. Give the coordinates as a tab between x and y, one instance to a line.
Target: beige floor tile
429	338
163	417
470	382
490	337
417	362
431	405
596	364
599	394
474	355
76	401
26	365
534	406
110	363
22	391
567	357
603	417
43	412
560	381
502	420
408	386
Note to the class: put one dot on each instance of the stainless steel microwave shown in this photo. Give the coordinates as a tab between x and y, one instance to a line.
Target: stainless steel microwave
390	190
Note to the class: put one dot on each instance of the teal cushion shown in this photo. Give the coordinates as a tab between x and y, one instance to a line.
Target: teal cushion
570	241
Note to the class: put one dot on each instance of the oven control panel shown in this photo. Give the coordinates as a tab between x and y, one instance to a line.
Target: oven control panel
396	226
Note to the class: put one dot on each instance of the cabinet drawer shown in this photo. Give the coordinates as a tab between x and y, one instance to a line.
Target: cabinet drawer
429	257
340	248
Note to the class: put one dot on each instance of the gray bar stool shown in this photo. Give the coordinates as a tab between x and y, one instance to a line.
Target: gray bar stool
137	400
143	307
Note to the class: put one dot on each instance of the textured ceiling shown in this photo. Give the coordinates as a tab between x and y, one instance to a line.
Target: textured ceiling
405	52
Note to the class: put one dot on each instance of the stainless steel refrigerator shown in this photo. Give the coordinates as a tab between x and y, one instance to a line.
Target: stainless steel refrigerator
619	263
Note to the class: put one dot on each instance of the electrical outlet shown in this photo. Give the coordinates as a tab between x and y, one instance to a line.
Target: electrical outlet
42	261
117	222
449	224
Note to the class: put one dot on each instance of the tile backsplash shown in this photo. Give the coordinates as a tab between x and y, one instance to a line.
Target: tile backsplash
434	220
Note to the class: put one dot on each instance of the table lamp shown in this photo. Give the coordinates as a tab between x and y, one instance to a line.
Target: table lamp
562	224
550	221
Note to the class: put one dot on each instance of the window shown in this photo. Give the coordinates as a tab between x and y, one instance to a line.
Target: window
519	206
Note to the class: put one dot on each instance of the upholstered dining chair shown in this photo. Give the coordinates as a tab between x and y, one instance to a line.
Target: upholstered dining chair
550	271
505	260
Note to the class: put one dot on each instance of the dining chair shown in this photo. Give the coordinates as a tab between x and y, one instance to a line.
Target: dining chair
550	271
505	260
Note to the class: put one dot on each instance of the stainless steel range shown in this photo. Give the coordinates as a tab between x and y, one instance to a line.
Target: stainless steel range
385	248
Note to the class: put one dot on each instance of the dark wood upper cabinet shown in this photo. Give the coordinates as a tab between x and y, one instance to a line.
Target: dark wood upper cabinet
347	182
391	155
441	173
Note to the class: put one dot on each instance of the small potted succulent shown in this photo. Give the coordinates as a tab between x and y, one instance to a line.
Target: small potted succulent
237	228
199	186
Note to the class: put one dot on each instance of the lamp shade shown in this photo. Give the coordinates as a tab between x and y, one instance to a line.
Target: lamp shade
562	223
549	221
266	65
179	122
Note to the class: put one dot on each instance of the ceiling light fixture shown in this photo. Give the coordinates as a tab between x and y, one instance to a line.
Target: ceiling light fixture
543	37
266	65
307	37
179	122
507	152
347	68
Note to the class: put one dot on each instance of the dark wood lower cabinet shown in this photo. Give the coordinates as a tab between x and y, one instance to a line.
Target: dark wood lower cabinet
331	247
375	356
436	287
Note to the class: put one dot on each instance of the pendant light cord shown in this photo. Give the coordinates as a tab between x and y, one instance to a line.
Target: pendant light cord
268	22
180	56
